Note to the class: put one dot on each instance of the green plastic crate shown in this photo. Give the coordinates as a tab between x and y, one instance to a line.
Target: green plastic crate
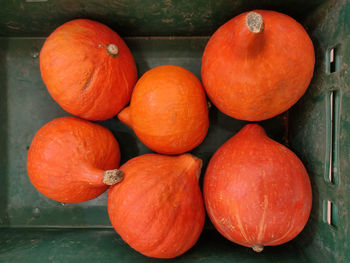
34	228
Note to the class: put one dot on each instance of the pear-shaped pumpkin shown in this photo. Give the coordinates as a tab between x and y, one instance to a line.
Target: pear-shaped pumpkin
257	192
88	69
168	110
72	160
158	208
257	65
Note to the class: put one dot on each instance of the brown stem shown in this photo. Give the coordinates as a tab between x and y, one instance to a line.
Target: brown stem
112	50
258	248
254	22
112	177
250	40
209	105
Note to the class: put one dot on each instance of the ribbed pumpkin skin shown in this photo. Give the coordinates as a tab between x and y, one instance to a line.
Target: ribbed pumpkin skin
256	76
81	76
168	110
67	159
256	191
158	207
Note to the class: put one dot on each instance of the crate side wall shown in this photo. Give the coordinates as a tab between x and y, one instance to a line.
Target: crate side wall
320	133
33	18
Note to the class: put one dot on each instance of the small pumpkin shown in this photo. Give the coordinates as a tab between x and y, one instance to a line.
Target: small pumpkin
168	110
257	65
257	192
158	207
88	69
72	160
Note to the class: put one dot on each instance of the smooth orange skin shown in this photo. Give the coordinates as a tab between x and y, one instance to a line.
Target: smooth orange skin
81	76
168	110
67	159
257	191
255	77
158	207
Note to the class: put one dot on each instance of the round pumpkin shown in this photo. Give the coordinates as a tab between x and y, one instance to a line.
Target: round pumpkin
158	207
88	69
257	65
168	110
257	192
72	160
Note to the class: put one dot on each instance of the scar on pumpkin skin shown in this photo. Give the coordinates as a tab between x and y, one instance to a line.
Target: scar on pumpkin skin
89	80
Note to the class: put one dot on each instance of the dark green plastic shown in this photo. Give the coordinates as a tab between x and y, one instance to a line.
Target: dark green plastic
137	17
34	228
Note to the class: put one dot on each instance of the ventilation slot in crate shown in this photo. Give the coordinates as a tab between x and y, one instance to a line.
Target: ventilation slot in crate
333	60
330	213
332	138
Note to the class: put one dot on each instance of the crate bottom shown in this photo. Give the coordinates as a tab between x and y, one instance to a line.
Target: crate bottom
104	245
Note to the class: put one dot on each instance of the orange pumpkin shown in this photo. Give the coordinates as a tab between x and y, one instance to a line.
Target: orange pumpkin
168	110
257	192
72	160
158	208
257	65
88	69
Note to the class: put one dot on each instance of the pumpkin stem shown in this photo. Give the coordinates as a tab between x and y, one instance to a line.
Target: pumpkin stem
112	177
254	22
209	105
258	248
124	116
112	50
